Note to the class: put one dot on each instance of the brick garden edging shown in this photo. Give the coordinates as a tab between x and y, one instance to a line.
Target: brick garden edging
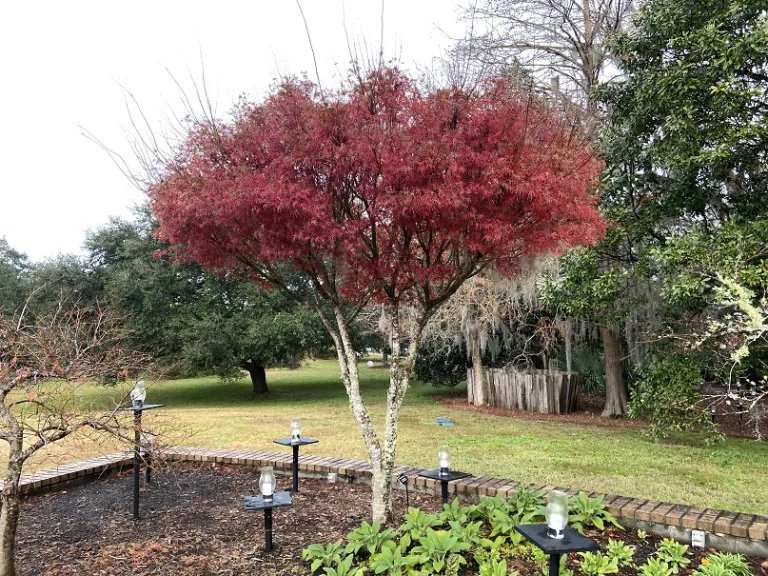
739	532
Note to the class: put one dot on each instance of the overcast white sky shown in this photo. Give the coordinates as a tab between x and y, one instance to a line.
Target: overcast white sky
63	65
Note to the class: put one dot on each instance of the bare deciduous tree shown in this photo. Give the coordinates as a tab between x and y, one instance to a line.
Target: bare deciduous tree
44	361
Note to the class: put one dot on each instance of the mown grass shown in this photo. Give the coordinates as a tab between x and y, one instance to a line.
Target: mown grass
207	412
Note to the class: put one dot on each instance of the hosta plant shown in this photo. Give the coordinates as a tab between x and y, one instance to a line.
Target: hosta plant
468	533
415	525
322	556
526	501
435	547
673	553
492	568
455	512
368	537
622	552
344	567
655	567
485	509
584	512
597	564
391	561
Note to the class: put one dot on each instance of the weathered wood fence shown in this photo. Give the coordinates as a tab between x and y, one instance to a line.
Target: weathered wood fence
546	391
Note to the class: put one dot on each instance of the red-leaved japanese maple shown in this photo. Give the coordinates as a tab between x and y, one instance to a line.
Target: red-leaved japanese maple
378	192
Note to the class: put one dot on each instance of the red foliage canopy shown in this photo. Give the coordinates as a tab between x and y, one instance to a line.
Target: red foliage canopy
380	189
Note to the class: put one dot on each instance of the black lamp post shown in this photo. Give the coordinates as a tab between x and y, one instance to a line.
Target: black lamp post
444	473
138	395
294	442
555	537
267	500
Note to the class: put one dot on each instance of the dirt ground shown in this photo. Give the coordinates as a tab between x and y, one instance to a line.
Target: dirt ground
730	423
193	523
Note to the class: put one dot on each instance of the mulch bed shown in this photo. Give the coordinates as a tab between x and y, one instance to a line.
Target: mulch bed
729	422
193	523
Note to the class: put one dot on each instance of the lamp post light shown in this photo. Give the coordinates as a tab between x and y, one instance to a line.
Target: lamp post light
138	395
267	500
443	473
294	441
555	537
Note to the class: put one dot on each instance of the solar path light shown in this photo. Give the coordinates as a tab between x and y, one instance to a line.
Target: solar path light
555	537
295	440
138	395
267	501
443	473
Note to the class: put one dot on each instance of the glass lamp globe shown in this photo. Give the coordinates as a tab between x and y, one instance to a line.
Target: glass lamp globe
295	430
444	459
267	482
138	394
556	514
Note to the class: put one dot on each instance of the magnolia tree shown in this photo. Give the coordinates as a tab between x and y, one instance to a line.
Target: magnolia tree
377	192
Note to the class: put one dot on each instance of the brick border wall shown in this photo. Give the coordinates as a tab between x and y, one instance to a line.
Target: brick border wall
738	531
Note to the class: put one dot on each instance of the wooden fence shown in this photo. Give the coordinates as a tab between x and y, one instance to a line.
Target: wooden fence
546	391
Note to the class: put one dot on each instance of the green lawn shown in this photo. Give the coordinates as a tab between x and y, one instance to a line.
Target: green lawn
206	412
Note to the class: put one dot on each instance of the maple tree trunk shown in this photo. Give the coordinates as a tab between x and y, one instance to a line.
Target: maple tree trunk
258	378
9	515
381	452
615	392
478	371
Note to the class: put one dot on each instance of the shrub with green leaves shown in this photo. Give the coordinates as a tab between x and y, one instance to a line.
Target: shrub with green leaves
322	556
665	396
469	533
597	564
368	537
485	509
655	567
673	553
621	551
584	512
723	564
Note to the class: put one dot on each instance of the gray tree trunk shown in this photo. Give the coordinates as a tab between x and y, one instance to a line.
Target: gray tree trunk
480	389
615	391
9	515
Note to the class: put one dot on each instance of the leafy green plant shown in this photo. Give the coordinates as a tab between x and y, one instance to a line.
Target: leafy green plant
622	552
502	523
723	564
673	553
415	524
596	564
369	537
540	560
469	533
344	568
490	550
495	568
320	555
455	512
392	561
527	501
642	534
485	509
655	567
584	511
434	548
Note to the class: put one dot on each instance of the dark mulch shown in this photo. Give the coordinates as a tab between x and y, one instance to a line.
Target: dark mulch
729	421
193	523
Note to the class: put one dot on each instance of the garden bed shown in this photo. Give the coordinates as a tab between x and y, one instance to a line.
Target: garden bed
193	523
